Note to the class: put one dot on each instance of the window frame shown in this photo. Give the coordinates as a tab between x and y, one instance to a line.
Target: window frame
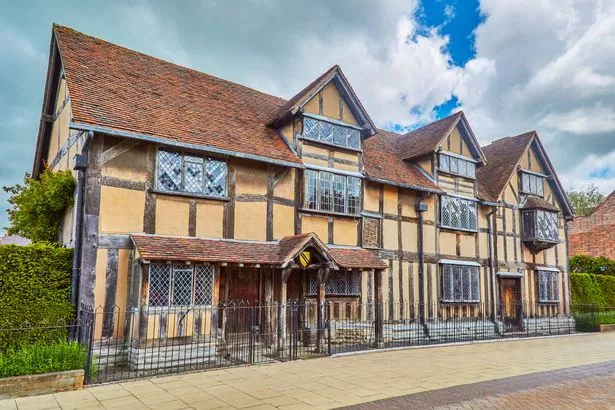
183	191
461	199
531	176
331	140
349	187
529	220
353	289
473	275
195	276
553	291
450	158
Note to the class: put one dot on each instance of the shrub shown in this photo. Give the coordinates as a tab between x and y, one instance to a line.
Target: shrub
590	264
42	358
586	290
35	285
38	205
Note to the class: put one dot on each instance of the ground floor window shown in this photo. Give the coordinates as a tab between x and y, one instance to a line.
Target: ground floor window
338	283
180	285
460	283
548	286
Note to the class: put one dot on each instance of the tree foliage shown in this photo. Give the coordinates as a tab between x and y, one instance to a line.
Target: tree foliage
38	205
584	200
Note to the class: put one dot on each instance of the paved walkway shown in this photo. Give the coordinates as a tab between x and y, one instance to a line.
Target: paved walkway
338	381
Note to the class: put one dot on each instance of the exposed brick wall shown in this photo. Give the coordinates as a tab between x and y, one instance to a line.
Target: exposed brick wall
594	234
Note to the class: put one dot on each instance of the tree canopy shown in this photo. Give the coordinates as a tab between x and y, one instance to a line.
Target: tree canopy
38	206
584	200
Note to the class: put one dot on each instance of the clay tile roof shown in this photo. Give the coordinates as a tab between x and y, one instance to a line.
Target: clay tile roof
114	87
176	248
382	160
424	140
503	156
535	202
357	258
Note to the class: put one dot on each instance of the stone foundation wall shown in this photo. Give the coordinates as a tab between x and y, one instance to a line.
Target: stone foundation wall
35	384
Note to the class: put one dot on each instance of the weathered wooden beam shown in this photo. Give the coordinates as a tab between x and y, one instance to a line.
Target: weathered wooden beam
321	297
111	241
118	150
149	214
229	207
379	308
110	292
123	183
192	217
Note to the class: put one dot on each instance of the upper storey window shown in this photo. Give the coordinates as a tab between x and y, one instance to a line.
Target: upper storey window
325	191
176	172
532	184
329	133
458	213
458	166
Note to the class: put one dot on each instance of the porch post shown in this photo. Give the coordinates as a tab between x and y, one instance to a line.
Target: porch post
268	285
282	309
323	273
379	308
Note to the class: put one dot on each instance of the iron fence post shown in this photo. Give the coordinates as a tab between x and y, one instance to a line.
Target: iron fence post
328	325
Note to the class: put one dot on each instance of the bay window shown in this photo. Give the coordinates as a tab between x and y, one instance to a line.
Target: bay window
540	225
325	191
177	172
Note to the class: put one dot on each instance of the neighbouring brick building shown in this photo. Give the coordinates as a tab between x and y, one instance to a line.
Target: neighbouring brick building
594	234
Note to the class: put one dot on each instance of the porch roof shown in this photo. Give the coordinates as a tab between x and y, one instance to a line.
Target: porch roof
182	248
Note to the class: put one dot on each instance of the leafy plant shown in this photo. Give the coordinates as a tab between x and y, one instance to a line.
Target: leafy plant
589	264
585	199
42	358
38	205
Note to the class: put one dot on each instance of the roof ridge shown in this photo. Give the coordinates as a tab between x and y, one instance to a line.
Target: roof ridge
74	31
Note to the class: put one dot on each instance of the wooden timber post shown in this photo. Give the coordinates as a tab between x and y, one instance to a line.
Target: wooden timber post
268	298
323	273
282	309
379	308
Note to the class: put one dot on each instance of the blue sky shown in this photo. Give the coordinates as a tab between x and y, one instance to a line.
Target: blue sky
511	66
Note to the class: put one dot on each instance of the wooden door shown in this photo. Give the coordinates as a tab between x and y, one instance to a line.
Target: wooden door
512	309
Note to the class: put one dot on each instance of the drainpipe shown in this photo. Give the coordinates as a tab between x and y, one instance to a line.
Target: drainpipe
420	208
491	264
80	162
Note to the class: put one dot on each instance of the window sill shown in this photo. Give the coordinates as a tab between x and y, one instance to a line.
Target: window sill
330	213
333	295
551	302
190	195
449	173
448	228
456	302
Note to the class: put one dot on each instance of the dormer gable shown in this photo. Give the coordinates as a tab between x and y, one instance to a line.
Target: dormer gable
331	111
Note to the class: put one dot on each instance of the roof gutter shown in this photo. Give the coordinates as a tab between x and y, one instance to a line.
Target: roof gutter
166	141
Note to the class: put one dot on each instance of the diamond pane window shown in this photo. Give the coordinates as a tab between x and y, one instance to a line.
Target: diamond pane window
203	285
186	173
182	285
458	213
311	189
548	286
546	225
458	166
532	184
339	193
460	283
325	191
169	171
338	283
159	284
328	133
354	195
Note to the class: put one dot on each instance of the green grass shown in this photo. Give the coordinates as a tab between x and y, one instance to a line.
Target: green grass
587	321
42	358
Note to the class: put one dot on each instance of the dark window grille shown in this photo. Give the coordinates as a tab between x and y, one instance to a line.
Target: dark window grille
338	283
460	283
325	191
457	166
532	184
458	213
191	174
180	285
548	286
323	131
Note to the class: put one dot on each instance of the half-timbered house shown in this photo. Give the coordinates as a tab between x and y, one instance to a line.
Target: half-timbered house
195	191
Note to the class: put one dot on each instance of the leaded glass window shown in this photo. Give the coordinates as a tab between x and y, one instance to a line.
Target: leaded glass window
323	131
457	166
347	283
177	172
180	285
532	184
460	283
548	286
546	225
325	191
458	213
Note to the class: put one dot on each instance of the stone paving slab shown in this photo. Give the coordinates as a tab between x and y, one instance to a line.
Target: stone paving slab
338	381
